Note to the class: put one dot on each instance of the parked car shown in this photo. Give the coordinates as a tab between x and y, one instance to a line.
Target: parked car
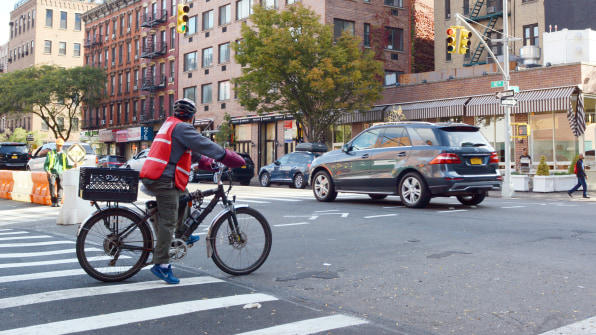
13	155
415	160
242	174
292	169
39	157
111	161
136	162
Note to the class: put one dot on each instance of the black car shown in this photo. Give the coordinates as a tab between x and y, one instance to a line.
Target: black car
242	174
14	156
415	160
292	169
111	161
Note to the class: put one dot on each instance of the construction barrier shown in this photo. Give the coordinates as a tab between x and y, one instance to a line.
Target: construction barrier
40	192
22	186
75	209
6	184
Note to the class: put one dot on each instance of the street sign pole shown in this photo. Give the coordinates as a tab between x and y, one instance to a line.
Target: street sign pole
507	190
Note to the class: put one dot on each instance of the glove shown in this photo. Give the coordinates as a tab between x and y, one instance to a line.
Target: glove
207	164
232	159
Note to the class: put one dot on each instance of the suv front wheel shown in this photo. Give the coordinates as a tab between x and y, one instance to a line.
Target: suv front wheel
323	187
413	191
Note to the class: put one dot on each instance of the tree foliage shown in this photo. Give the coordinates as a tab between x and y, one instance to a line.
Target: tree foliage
52	93
292	65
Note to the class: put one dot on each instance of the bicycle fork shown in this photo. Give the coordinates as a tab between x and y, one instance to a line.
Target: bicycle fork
233	227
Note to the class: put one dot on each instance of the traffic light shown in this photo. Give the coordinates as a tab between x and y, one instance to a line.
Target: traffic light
464	41
451	39
181	26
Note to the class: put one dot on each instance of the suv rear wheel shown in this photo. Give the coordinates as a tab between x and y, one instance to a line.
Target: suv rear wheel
323	187
264	179
471	200
413	191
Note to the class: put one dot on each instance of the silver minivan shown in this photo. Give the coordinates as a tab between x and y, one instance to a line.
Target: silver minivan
39	157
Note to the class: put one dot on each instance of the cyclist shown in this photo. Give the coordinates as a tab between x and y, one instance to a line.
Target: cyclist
166	172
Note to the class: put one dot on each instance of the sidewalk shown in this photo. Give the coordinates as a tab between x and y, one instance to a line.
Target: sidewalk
548	195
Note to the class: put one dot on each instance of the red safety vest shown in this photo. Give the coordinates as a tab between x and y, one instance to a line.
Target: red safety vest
159	155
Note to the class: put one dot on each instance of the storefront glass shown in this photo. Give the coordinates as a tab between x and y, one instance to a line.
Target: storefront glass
552	137
493	128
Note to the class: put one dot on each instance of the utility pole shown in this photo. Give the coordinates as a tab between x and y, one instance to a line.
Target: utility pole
507	190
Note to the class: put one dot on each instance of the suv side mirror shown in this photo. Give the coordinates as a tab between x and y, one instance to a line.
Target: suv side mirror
346	148
277	163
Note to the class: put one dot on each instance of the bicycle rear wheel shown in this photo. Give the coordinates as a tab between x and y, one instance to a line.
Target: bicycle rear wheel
242	251
112	246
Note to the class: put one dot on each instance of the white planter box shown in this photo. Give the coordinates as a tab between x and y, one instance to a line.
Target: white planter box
544	184
564	182
521	182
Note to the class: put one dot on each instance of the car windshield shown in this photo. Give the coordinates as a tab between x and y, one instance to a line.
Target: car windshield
119	159
464	138
9	149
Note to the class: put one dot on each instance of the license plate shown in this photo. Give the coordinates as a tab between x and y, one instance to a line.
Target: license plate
475	161
15	157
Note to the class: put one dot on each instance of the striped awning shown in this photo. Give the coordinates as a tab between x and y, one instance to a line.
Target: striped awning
544	100
433	108
375	114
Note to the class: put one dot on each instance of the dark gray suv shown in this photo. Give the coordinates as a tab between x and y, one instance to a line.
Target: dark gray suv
415	160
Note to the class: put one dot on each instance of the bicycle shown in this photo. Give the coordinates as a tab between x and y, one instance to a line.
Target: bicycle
115	242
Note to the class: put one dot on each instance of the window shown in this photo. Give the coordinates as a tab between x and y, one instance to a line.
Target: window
115	29
394	3
243	9
33	19
172	37
120	53
120	83
225	14
128	51
206	93
531	34
365	140
172	70
339	26
47	48
63	16
395	39
223	90
466	7
447	9
208	20
224	53
77	22
77	50
289	2
190	93
49	17
395	137
367	35
207	57
127	85
190	61
269	4
192	25
391	77
174	9
60	123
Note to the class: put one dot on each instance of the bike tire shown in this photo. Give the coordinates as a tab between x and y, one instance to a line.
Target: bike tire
236	258
97	245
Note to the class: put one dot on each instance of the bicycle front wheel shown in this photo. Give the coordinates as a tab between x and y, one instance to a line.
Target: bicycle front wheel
112	245
243	249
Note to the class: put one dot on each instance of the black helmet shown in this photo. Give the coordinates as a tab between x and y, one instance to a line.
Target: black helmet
184	108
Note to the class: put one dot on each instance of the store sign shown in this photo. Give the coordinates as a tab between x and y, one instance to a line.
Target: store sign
122	136
107	135
140	134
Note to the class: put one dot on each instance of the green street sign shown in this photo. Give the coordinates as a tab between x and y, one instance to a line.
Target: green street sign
499	83
514	88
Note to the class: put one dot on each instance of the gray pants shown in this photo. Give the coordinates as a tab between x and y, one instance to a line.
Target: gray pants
55	181
167	197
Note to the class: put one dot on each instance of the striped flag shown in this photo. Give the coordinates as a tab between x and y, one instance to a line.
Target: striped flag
577	117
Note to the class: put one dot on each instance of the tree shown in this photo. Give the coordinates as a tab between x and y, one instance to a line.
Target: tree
54	94
292	65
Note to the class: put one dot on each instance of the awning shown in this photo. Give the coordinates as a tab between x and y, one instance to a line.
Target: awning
373	115
202	122
544	100
433	108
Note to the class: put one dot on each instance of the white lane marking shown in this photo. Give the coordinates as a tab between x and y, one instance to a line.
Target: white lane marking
99	290
330	210
57	261
310	326
51	274
291	224
513	207
453	210
22	237
253	201
43	253
34	244
14	233
379	216
584	327
139	315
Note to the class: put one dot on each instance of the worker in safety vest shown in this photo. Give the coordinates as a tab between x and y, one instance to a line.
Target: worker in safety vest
166	171
56	163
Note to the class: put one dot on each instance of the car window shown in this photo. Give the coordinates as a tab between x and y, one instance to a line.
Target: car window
44	152
423	136
365	140
143	154
464	138
284	159
8	149
394	137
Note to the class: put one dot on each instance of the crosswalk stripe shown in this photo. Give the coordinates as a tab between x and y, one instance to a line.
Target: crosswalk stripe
51	274
34	244
14	233
12	238
139	315
43	253
57	261
310	326
99	290
584	327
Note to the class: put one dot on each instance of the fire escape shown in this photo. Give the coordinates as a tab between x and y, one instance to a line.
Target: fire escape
92	118
487	16
152	81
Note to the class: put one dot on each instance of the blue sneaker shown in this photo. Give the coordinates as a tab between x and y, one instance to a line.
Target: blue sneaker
192	239
165	274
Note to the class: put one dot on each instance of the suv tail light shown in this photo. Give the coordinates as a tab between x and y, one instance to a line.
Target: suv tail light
446	158
96	160
494	158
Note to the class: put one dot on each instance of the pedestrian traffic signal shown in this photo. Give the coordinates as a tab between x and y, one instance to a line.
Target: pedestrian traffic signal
464	41
451	39
181	25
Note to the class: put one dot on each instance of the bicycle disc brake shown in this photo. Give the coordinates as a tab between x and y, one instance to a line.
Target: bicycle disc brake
178	250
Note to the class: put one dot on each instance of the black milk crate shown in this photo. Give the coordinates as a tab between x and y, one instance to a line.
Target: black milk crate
103	184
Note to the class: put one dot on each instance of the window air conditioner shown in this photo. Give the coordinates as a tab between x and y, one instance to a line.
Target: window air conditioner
103	122
113	36
171	79
106	39
111	121
128	30
134	118
135	87
490	10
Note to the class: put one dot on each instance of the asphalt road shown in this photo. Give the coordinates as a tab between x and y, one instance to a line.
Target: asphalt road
507	266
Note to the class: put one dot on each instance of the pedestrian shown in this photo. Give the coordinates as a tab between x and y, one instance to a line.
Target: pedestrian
580	172
166	172
525	161
56	163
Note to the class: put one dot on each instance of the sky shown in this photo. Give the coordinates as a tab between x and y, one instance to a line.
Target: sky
6	6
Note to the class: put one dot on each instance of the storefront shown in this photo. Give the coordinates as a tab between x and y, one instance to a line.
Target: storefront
125	142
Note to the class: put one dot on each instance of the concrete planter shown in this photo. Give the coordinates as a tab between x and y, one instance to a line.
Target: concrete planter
521	182
564	182
544	184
